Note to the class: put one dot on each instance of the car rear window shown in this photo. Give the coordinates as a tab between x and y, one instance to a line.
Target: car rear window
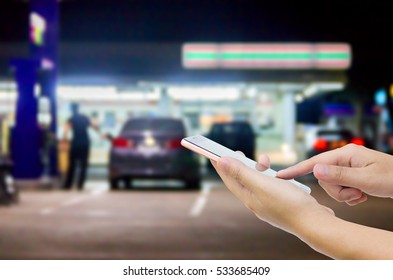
154	125
232	129
342	133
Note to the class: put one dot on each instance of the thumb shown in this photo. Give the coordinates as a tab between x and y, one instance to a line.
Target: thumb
249	179
231	167
339	175
237	171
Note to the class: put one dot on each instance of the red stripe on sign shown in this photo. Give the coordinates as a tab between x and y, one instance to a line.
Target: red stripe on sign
337	61
196	48
267	64
266	48
200	64
332	64
332	48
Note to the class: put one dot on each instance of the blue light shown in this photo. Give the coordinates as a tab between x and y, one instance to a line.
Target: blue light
380	97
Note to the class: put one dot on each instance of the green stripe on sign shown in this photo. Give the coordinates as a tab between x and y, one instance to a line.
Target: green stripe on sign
333	56
269	56
203	56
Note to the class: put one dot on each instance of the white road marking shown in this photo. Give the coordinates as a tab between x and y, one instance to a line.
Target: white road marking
99	192
200	202
46	211
72	201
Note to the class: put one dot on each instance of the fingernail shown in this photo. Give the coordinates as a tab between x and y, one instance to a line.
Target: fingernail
261	158
321	169
353	197
279	172
261	167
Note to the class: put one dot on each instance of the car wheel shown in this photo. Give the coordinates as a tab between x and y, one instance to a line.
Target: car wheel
114	183
193	184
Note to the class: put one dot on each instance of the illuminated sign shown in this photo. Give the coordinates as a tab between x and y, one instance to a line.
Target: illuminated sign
267	56
37	29
380	97
201	55
391	90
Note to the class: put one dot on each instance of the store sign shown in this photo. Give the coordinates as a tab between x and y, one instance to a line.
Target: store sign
37	29
267	56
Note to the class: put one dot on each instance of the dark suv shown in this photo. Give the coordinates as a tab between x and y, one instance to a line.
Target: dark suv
236	135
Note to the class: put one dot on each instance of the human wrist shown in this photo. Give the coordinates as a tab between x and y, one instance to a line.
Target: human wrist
313	225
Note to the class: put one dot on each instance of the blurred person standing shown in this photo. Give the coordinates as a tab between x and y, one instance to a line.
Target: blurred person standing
78	153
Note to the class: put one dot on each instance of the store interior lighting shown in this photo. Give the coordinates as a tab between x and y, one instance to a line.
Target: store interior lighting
318	88
204	93
103	93
180	93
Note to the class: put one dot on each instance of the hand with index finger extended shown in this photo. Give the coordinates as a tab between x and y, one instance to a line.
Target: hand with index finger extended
348	173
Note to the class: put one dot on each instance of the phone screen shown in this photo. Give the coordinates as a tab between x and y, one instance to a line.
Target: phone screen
214	151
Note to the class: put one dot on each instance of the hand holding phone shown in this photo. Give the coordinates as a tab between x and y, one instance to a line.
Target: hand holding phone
212	150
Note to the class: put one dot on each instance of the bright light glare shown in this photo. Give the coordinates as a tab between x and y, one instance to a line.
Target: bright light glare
330	86
380	97
322	87
310	90
85	91
8	85
299	98
204	93
37	28
7	96
103	93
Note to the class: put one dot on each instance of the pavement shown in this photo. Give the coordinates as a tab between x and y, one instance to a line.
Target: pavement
157	221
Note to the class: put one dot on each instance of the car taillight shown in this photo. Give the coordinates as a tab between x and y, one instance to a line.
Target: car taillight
358	141
173	144
320	144
121	142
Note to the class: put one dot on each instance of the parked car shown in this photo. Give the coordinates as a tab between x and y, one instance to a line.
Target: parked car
150	148
330	139
236	135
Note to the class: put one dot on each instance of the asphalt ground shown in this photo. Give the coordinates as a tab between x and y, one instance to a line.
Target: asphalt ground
153	221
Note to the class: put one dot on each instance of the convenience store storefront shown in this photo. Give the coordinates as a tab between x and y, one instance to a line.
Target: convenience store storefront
202	83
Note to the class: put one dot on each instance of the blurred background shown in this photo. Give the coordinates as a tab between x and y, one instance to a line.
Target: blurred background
282	78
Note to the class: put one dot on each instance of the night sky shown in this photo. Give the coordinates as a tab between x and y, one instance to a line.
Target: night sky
366	25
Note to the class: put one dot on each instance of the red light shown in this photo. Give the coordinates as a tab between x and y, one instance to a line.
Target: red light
320	144
173	144
122	143
358	141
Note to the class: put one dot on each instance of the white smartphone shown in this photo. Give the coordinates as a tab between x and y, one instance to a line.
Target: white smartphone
212	150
